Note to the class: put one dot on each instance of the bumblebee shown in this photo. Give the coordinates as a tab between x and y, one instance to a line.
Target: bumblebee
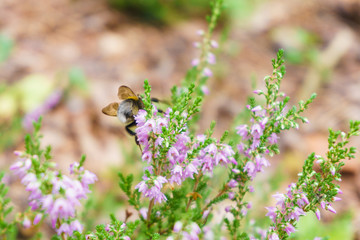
126	109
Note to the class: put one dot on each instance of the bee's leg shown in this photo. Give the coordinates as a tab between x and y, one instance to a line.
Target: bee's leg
157	100
137	143
132	133
127	128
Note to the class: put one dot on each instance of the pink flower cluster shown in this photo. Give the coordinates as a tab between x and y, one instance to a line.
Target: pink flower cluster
54	194
210	58
184	157
253	134
190	232
288	207
112	230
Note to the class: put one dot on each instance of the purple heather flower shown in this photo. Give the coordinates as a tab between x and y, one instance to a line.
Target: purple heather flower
274	236
250	169
231	195
37	218
28	178
200	32
335	199
21	167
76	226
123	226
195	228
147	156
190	170
196	44
220	158
211	58
263	122
271	213
88	178
323	204
177	176
228	208
332	170
244	211
205	90
242	131
261	162
107	227
317	213
331	209
211	149
65	194
236	171
207	72
26	222
143	212
159	141
142	134
241	147
205	214
208	233
159	181
201	138
64	228
150	125
214	44
47	202
208	165
172	155
62	209
154	191
195	62
255	144
256	109
140	118
289	228
296	213
256	130
75	168
177	226
303	200
273	138
47	105
232	183
280	198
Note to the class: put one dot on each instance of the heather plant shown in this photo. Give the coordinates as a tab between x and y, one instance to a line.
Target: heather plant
180	191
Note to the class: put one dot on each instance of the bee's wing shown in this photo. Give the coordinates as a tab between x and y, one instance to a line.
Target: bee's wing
125	92
111	109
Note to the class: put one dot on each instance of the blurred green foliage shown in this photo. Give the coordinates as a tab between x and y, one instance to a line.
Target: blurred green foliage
169	11
29	93
340	227
6	46
17	99
302	46
78	79
161	11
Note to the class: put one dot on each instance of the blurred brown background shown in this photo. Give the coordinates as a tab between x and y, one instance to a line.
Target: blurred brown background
112	46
